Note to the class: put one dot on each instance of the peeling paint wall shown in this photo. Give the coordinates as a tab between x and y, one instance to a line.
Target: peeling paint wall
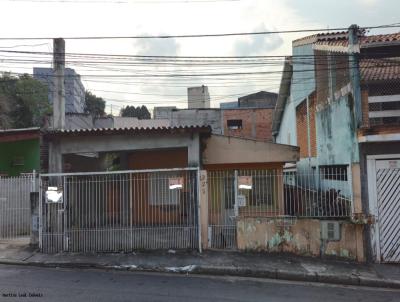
336	137
303	237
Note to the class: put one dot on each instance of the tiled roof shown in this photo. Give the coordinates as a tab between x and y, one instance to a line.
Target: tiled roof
319	36
380	69
341	43
130	130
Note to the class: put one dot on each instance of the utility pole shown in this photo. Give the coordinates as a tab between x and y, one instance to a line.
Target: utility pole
355	77
58	80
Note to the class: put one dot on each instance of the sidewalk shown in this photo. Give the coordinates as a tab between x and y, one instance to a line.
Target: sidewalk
287	267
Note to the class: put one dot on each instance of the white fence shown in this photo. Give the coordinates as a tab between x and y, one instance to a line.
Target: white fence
15	209
120	211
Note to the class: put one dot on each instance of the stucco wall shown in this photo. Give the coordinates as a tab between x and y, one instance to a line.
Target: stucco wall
303	84
302	238
336	136
27	151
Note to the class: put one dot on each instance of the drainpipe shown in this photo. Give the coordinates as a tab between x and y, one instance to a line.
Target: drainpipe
355	79
308	130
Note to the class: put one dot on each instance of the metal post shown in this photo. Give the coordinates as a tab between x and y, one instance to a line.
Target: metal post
198	210
64	189
308	129
236	205
40	214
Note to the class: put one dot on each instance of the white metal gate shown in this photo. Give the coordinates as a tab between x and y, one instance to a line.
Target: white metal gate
119	211
15	209
388	205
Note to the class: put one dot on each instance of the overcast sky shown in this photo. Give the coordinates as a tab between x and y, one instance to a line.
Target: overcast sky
52	18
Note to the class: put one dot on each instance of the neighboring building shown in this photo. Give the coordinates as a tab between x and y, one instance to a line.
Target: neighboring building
262	99
186	117
253	119
74	89
87	121
253	123
198	97
228	105
339	101
19	151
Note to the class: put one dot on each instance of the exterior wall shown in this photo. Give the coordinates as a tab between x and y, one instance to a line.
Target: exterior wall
198	97
302	128
260	99
229	105
336	134
221	150
27	150
256	123
74	89
190	117
126	122
303	84
287	133
142	211
302	238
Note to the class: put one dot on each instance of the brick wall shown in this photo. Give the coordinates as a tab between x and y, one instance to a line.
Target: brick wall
364	107
256	123
301	125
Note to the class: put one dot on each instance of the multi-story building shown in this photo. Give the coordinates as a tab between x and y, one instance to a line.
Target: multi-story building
339	102
74	89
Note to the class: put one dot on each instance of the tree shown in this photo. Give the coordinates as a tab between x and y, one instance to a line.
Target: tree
5	121
142	113
25	101
94	105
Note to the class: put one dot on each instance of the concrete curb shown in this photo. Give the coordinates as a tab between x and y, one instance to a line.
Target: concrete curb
225	271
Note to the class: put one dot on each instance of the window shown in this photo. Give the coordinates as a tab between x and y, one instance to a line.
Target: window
234	124
334	172
163	191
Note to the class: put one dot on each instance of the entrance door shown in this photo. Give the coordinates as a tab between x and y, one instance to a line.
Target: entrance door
387	184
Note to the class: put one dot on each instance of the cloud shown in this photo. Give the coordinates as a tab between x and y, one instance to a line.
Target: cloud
258	44
368	2
153	47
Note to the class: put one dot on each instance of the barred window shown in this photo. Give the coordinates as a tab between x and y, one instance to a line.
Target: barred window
334	172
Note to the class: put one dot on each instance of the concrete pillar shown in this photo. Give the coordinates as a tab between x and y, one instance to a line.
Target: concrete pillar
194	151
356	188
55	157
58	80
34	199
204	208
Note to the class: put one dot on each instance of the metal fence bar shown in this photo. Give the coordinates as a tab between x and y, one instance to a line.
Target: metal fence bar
15	210
325	193
113	212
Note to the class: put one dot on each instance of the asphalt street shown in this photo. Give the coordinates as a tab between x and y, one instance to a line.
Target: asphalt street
21	283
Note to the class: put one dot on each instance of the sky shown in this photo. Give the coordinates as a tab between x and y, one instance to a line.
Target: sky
68	18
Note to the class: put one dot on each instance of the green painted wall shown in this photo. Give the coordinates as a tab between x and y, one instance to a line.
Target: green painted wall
27	150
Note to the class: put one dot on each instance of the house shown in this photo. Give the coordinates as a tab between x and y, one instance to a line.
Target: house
251	117
338	101
130	188
19	151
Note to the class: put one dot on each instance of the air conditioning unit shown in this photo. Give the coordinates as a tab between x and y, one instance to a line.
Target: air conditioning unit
330	230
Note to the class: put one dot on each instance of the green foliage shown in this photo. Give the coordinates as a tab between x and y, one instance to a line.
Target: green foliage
25	101
94	105
142	113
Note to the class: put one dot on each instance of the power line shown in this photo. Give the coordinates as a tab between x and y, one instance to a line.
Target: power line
200	35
